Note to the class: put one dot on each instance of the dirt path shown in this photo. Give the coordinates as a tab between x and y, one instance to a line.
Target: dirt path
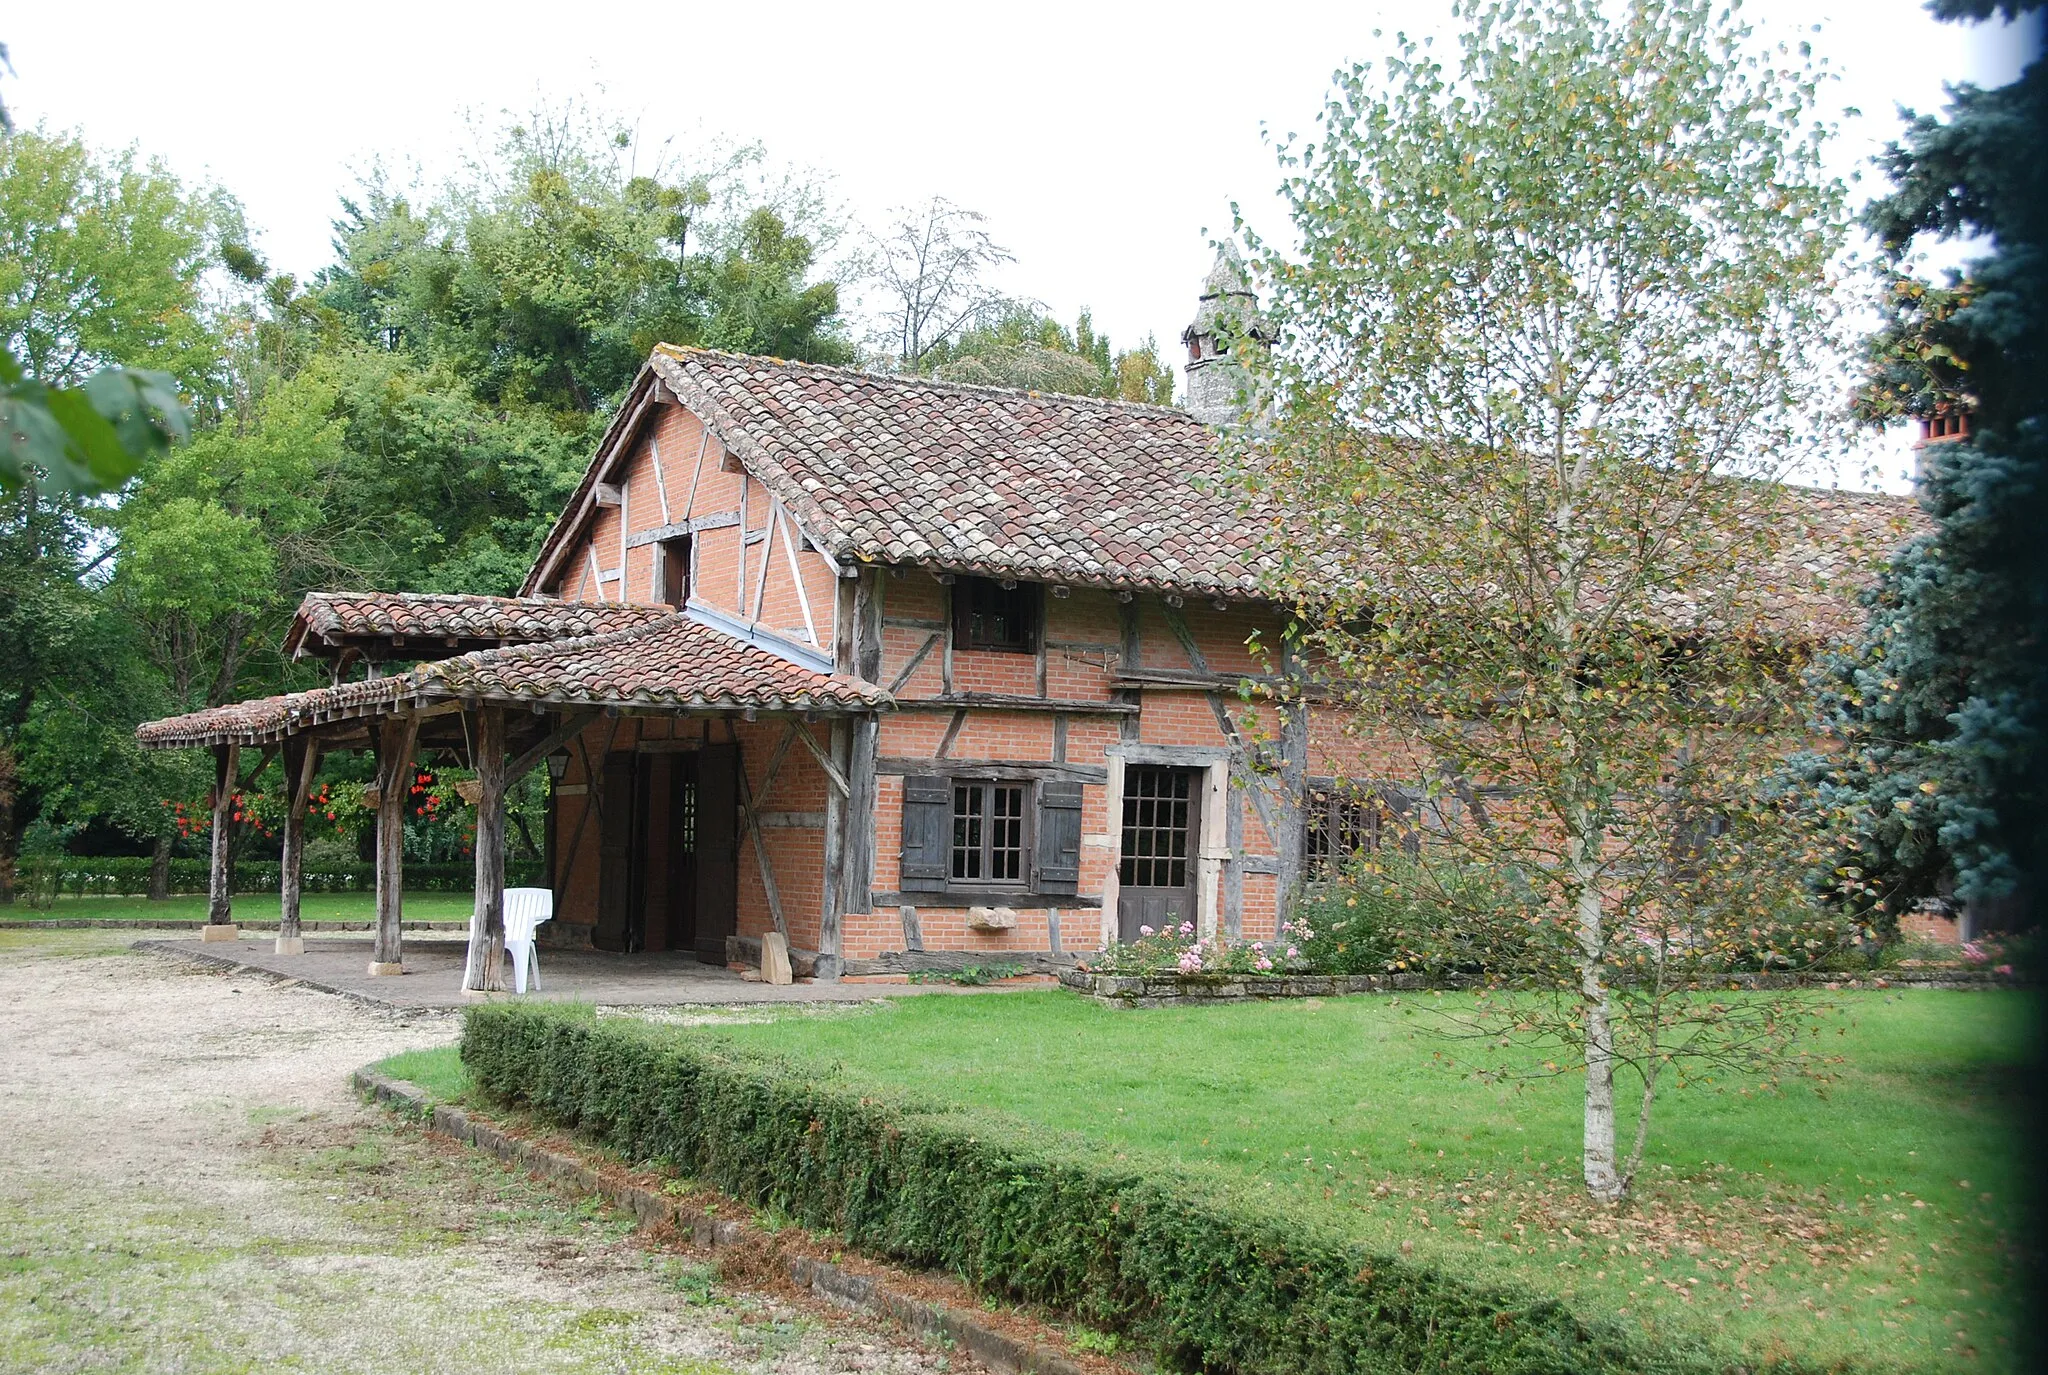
187	1184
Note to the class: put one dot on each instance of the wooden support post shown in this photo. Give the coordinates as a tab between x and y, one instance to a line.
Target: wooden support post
835	852
220	881
1129	651
301	762
485	972
395	738
1233	866
1294	731
858	888
867	625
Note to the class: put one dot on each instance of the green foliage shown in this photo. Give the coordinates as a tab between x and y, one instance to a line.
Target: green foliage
546	277
88	438
101	261
1393	914
1170	1259
1016	345
1940	709
77	876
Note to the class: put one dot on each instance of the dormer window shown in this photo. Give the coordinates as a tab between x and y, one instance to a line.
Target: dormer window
988	614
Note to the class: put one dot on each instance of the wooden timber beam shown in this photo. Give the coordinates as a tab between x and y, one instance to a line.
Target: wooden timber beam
572	725
825	761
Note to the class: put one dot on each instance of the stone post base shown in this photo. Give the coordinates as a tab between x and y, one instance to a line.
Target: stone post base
291	945
377	967
225	932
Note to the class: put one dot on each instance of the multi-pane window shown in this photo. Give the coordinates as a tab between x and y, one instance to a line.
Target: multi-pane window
686	821
1155	839
991	615
1340	824
988	832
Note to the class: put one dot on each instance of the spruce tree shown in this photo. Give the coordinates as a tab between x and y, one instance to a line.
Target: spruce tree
1943	706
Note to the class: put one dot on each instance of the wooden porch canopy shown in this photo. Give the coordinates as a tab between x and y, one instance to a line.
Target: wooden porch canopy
504	710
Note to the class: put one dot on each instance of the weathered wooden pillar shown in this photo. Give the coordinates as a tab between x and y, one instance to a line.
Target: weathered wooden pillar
485	972
220	881
836	810
1294	744
395	737
859	864
301	760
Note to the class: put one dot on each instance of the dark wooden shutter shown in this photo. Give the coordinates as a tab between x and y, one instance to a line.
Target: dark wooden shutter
927	831
1059	837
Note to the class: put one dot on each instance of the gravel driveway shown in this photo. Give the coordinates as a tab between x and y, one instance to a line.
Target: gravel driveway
187	1184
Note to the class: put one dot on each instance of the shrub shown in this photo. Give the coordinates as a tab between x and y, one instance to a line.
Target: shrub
1391	913
126	876
1173	1259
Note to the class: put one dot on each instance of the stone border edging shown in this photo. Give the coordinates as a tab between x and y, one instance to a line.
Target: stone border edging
1166	990
172	924
199	954
861	1293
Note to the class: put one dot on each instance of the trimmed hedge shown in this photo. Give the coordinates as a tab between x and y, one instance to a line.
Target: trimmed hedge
127	876
1175	1261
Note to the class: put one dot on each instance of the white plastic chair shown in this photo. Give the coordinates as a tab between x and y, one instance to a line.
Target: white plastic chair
525	910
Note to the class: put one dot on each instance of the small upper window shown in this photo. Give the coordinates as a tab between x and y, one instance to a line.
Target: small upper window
993	615
674	555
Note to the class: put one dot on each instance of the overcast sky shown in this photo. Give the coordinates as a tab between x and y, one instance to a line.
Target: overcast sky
1105	141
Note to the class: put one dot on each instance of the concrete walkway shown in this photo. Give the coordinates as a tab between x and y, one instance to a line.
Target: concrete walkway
433	975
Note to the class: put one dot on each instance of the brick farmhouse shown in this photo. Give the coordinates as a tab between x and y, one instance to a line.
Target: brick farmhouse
913	673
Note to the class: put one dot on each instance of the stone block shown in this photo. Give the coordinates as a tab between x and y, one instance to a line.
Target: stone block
775	967
378	968
992	918
226	931
291	945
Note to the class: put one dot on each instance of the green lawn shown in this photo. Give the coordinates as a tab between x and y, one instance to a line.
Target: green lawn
249	906
1865	1216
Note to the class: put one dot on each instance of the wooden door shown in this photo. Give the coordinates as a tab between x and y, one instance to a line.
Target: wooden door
616	871
680	850
1157	864
715	849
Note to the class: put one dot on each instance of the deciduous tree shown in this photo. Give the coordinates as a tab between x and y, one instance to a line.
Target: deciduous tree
1560	315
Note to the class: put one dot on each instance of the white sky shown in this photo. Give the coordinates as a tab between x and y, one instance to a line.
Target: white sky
1101	140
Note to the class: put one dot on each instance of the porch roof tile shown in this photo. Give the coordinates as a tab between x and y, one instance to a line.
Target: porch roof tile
673	662
332	618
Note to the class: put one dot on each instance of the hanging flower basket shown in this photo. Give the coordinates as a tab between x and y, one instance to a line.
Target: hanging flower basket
372	796
470	790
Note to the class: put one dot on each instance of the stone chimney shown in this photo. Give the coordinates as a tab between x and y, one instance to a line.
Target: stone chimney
1217	383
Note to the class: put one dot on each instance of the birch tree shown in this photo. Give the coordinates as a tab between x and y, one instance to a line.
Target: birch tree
1557	315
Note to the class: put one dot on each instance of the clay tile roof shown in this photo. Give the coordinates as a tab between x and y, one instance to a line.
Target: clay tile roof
892	469
332	617
673	662
978	479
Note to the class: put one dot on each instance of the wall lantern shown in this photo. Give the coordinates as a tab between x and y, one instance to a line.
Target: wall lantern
558	764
